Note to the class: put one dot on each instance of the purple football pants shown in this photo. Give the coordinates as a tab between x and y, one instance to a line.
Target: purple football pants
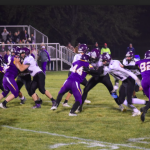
10	84
74	86
44	67
146	86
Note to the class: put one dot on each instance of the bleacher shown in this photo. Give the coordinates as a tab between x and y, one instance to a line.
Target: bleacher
61	56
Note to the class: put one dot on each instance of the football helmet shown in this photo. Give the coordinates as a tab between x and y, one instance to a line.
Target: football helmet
147	55
129	54
94	55
82	48
106	57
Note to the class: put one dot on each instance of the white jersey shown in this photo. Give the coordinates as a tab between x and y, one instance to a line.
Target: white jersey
76	58
33	68
99	64
118	72
132	63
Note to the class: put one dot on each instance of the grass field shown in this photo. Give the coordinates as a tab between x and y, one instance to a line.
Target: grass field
101	125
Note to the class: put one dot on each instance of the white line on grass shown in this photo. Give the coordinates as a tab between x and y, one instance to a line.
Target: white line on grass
93	144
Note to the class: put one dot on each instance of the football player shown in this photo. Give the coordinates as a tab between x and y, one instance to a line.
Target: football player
127	78
144	66
9	82
38	77
81	50
2	71
73	83
130	61
100	76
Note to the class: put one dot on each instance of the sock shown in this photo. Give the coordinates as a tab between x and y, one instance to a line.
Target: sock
4	103
65	101
21	98
125	102
75	106
39	101
138	101
133	108
52	99
147	105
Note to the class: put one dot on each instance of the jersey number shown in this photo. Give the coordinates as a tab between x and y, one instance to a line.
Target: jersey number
145	66
79	70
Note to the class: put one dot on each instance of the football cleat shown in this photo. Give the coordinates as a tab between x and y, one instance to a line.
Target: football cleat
136	113
72	114
2	106
122	108
36	106
66	105
23	101
87	101
54	107
79	109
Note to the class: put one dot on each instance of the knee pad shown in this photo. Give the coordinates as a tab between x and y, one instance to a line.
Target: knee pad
42	91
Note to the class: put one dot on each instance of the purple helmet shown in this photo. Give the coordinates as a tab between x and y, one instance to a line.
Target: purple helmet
13	50
85	57
25	50
105	57
94	55
147	55
130	54
82	48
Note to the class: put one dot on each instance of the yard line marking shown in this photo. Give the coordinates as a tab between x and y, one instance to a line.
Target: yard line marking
77	138
139	140
60	144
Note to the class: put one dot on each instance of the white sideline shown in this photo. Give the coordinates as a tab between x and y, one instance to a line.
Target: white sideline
94	142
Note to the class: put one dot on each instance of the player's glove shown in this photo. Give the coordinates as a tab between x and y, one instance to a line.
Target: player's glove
86	69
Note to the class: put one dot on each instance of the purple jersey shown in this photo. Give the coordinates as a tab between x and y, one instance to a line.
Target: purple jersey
77	71
144	66
11	70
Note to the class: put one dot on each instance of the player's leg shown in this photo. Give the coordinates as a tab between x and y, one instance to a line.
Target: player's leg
107	82
77	93
12	86
130	89
1	81
84	82
20	85
146	88
64	89
65	103
33	87
90	84
41	85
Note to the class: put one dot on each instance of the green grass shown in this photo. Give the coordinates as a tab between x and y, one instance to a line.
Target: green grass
100	121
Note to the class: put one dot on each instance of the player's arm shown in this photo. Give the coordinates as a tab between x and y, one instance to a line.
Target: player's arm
94	72
20	66
131	74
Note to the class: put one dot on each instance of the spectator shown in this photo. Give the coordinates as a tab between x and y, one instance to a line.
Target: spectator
15	38
76	48
32	38
9	37
105	49
4	35
44	58
70	47
130	48
3	46
96	45
18	32
26	35
29	40
6	56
